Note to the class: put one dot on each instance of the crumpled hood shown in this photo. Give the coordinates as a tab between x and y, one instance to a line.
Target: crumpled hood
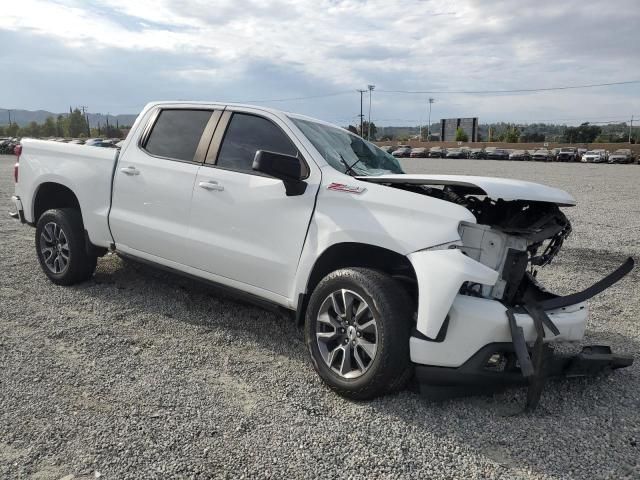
493	187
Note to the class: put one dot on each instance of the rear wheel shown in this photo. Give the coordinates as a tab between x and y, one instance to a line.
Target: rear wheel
357	331
61	247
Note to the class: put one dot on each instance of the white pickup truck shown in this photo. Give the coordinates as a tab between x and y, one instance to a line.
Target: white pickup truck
395	276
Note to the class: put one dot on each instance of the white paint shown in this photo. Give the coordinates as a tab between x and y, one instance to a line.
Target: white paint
440	274
476	322
249	235
496	188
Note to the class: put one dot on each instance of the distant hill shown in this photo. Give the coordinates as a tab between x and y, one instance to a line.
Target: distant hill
24	117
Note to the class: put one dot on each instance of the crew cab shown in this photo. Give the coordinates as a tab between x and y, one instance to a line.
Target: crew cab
394	276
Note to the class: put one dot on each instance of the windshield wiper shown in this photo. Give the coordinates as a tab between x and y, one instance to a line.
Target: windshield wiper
349	168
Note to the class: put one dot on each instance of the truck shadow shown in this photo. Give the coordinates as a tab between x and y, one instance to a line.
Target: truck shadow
491	428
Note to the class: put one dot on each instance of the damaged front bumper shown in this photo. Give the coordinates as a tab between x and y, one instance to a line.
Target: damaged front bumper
496	365
462	340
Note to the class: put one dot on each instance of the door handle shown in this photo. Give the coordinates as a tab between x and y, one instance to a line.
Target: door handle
211	185
130	170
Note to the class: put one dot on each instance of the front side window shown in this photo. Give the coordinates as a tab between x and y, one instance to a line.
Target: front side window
346	152
245	135
176	133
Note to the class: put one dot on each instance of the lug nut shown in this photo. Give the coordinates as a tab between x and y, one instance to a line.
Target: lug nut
346	340
359	334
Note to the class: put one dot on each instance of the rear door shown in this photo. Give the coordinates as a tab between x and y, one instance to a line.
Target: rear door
153	183
244	229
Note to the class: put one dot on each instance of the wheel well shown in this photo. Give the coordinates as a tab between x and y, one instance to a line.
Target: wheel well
344	255
53	195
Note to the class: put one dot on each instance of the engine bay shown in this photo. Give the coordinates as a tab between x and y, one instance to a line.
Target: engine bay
514	237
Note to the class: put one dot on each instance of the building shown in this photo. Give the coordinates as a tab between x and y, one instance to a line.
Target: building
449	126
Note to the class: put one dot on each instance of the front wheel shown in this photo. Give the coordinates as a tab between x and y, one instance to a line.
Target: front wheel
61	247
357	331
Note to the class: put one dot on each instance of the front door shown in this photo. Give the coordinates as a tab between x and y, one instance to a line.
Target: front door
243	227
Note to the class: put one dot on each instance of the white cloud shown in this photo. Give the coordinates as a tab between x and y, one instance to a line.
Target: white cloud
332	45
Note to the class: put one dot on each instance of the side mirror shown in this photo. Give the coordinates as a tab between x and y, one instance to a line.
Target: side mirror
287	168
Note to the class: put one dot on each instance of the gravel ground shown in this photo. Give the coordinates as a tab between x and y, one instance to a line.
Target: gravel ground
141	374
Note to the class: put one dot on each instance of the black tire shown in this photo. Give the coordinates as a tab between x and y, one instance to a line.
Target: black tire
390	306
80	264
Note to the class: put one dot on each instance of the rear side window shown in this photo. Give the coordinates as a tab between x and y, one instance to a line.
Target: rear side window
176	133
247	134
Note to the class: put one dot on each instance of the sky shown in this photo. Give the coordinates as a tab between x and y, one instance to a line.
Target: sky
115	56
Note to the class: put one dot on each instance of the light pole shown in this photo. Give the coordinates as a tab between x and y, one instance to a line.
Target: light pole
431	100
361	114
370	87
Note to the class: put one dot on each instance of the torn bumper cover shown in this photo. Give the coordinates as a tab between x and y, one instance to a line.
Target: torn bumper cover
480	341
496	364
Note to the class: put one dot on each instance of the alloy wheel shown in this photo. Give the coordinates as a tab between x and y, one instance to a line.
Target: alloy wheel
347	333
54	247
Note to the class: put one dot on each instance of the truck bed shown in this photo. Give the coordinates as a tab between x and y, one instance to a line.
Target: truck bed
87	171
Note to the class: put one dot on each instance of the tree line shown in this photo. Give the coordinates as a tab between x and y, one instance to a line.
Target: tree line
73	125
515	133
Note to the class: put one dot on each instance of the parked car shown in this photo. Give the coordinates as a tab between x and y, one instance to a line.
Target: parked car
567	154
622	155
579	153
542	155
419	152
104	144
7	145
455	153
437	152
594	156
477	153
392	281
388	148
402	151
554	154
604	152
498	154
519	155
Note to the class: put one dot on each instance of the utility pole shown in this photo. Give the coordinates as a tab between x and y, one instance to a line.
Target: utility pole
86	117
370	87
361	115
9	112
630	128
